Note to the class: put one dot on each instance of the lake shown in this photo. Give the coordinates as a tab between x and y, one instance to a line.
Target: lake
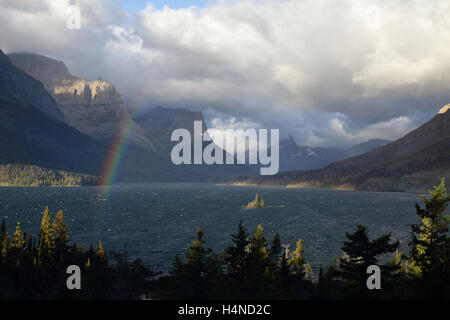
158	220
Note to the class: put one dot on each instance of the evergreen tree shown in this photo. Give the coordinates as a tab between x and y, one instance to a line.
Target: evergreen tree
3	229
177	267
101	256
258	266
236	255
60	234
429	237
18	241
45	238
196	271
30	243
275	253
258	252
360	252
284	273
3	242
429	260
30	275
196	254
297	262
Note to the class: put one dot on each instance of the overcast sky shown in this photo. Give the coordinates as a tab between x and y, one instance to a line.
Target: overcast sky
331	73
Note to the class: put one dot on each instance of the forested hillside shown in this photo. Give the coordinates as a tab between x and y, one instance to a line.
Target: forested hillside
27	175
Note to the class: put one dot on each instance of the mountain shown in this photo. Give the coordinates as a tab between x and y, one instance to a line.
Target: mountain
161	122
365	146
32	130
96	109
27	90
92	107
414	163
294	157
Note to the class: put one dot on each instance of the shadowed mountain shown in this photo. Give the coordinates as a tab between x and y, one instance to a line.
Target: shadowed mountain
32	130
294	157
415	162
161	122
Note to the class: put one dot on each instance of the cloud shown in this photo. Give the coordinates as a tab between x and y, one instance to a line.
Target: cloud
395	127
381	66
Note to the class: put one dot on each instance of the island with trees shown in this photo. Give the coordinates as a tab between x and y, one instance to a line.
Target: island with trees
256	203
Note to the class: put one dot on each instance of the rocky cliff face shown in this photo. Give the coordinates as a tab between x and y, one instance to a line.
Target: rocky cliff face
92	107
31	130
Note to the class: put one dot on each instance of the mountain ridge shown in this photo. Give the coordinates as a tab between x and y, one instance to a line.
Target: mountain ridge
31	134
295	157
93	107
415	162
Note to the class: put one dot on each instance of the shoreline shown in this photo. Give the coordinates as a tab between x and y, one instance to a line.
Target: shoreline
306	186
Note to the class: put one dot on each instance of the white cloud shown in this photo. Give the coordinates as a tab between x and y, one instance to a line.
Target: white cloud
283	64
390	129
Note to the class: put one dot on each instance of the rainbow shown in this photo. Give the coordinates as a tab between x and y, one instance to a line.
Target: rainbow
114	155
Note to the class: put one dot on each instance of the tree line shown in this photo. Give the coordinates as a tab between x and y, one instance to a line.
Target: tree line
250	268
28	175
35	268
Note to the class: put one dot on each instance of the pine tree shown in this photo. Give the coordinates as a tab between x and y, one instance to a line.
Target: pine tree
101	256
3	229
60	237
258	244
196	273
309	274
196	256
275	252
236	255
177	267
45	238
30	243
3	242
258	256
429	260
297	262
429	237
18	241
320	277
17	246
360	252
284	273
60	230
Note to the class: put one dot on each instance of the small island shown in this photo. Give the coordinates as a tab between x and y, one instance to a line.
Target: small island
256	203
